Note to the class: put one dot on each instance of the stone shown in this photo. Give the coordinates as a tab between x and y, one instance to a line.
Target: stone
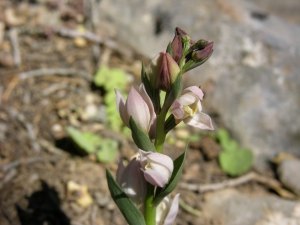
233	207
288	172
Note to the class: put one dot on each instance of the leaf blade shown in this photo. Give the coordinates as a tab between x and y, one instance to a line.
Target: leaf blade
130	212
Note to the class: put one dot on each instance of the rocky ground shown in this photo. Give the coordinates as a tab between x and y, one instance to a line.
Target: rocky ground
46	72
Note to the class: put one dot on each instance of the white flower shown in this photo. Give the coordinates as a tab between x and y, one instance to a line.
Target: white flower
166	212
157	167
187	108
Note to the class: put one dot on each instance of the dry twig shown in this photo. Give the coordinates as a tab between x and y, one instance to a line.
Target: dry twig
8	177
14	40
252	176
58	71
29	160
29	127
50	148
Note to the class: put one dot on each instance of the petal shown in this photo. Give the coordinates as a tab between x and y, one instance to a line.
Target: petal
133	182
173	211
162	210
199	120
177	110
164	171
164	160
196	90
155	178
143	158
187	98
121	107
152	125
138	109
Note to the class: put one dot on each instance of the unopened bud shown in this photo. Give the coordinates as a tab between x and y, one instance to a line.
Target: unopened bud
202	53
163	71
176	47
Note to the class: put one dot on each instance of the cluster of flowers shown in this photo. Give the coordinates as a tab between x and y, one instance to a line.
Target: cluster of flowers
145	115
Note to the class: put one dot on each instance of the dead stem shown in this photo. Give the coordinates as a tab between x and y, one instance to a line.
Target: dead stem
252	176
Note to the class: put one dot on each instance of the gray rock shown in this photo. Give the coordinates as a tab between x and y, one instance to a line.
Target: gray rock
232	207
251	81
289	174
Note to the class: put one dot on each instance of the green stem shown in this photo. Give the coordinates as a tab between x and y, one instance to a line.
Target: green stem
149	208
160	130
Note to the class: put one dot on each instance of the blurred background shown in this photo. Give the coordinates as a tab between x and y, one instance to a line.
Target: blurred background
59	129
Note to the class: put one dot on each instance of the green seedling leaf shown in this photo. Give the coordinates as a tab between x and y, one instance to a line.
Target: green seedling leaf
236	163
178	167
223	136
105	76
230	146
110	79
108	152
140	138
84	140
130	212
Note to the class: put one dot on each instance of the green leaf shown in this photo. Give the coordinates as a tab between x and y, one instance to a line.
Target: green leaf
130	212
236	163
178	167
230	146
140	138
108	151
84	140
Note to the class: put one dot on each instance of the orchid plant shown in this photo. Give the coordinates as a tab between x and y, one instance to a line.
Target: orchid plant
142	190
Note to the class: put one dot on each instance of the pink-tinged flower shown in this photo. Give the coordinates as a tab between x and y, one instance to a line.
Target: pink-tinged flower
157	167
167	212
131	180
187	108
163	71
140	107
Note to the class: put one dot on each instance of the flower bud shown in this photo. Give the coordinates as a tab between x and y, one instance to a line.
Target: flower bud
157	167
166	212
176	47
202	53
163	71
132	181
139	106
187	108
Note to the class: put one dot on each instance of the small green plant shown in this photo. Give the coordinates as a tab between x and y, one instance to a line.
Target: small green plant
111	79
233	159
104	149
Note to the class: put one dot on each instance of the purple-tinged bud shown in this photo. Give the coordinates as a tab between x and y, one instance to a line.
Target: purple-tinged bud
157	167
163	71
180	32
166	211
176	47
202	53
131	180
